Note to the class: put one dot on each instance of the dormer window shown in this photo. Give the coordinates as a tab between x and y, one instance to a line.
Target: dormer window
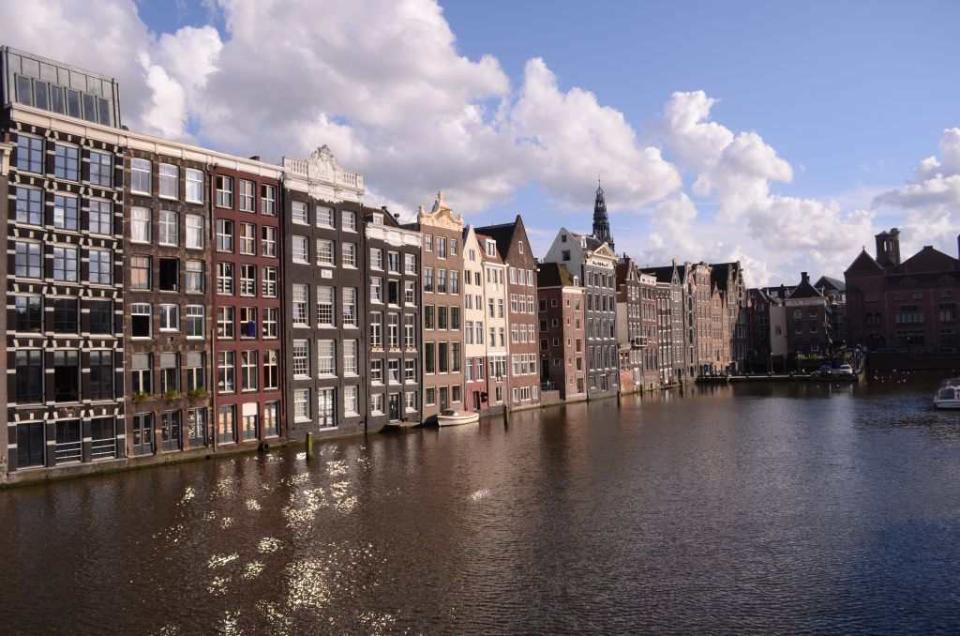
520	246
563	238
491	248
378	219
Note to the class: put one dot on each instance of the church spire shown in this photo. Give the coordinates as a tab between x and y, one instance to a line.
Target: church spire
601	224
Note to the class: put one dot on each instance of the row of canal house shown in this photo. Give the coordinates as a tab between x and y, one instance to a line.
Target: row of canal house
166	300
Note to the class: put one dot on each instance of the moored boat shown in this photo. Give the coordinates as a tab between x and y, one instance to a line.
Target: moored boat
948	395
450	417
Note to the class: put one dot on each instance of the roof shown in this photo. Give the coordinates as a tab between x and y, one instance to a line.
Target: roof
553	275
864	264
482	239
928	260
805	290
662	274
502	234
833	283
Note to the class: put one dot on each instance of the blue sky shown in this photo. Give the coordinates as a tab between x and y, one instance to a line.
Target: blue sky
846	99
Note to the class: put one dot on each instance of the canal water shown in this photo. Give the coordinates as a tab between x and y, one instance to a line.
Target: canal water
746	509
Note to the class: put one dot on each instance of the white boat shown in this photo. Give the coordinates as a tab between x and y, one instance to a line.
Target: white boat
450	417
948	395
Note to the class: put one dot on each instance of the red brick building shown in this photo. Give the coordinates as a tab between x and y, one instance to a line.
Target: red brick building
560	311
909	306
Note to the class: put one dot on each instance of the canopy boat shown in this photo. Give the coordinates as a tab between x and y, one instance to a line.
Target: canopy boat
948	395
449	417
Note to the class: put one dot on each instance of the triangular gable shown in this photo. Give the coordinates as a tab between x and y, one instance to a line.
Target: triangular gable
864	264
927	260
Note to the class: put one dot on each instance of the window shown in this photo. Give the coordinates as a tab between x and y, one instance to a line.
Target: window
66	376
65	264
141	367
65	315
29	205
324	216
376	403
410	264
271	320
169	279
350	400
428	242
140	176
428	279
194	185
301	359
224	235
224	186
376	330
169	374
300	251
269	282
410	371
410	400
393	371
170	430
66	162
429	357
349	307
29	314
325	306
268	200
409	292
441	247
350	351
301	405
168	228
29	376
298	307
193	318
249	420
197	426
169	181
455	357
376	371
225	322
101	267
169	317
298	212
376	290
393	330
249	374
454	282
348	221
453	247
393	292
194	224
226	369
268	242
140	319
271	369
349	254
248	322
69	445
225	279
227	424
376	258
325	408
428	317
140	225
409	331
143	434
30	153
441	281
326	358
325	254
194	278
101	217
65	215
248	280
430	396
247	196
28	263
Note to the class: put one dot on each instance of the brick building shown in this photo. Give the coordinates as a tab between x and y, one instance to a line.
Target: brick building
809	325
441	269
560	311
631	340
324	290
909	306
474	323
248	274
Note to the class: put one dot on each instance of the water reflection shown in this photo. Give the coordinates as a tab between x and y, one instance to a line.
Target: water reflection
746	508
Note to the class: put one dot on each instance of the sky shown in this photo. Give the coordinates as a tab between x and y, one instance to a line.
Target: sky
781	134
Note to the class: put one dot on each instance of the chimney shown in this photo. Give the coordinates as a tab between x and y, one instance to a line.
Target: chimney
255	157
804	278
888	248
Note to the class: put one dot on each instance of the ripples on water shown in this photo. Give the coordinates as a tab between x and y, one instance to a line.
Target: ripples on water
753	509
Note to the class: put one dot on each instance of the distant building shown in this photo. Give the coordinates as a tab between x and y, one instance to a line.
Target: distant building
560	312
909	306
758	331
809	321
636	327
474	323
495	296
